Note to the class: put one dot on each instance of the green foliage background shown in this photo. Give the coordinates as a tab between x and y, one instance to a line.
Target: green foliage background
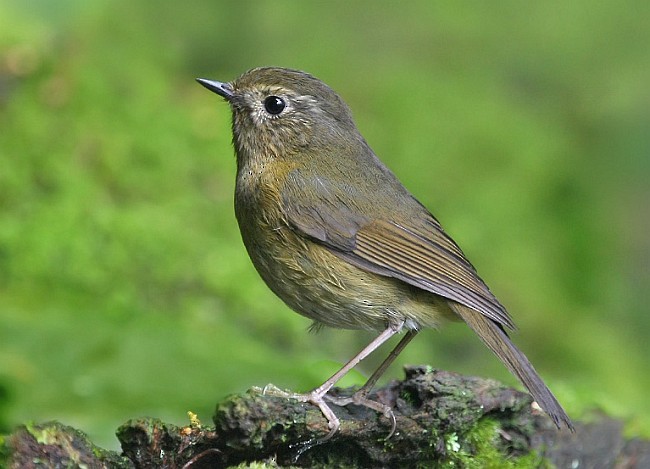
124	287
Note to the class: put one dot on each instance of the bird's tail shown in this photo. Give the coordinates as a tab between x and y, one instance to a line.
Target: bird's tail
492	334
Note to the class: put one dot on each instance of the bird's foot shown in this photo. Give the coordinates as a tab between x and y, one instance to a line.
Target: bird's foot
315	397
318	397
360	398
274	391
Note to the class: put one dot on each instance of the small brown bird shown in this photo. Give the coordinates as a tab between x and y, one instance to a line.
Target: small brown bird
341	241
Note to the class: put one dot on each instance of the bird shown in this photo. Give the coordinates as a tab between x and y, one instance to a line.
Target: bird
337	237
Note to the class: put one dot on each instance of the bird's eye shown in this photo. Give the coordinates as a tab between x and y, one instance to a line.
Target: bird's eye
274	105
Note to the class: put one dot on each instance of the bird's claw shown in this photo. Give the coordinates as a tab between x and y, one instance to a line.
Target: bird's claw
359	398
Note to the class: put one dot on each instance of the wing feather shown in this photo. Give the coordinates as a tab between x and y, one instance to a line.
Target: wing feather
414	249
425	263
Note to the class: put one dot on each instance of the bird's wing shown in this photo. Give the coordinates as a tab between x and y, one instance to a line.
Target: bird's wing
416	251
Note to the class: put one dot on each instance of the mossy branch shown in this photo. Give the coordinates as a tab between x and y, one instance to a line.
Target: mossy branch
442	417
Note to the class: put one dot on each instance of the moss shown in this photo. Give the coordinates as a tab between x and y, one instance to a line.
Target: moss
481	448
59	445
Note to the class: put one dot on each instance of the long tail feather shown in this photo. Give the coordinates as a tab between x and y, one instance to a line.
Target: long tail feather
498	341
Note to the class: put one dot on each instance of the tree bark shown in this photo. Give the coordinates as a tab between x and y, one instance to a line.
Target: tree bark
442	419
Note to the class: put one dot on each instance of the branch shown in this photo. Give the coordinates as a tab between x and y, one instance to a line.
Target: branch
442	418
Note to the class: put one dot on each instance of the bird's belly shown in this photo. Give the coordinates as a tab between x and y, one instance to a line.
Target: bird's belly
316	283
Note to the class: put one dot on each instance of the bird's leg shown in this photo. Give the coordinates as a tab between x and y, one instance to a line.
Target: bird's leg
366	388
317	396
361	396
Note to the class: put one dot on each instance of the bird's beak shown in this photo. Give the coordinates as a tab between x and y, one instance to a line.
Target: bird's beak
222	89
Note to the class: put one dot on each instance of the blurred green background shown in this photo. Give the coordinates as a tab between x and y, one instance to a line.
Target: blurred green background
125	289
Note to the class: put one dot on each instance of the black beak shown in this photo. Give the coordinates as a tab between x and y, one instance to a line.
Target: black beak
222	89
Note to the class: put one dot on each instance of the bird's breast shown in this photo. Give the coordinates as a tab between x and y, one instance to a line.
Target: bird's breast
308	276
